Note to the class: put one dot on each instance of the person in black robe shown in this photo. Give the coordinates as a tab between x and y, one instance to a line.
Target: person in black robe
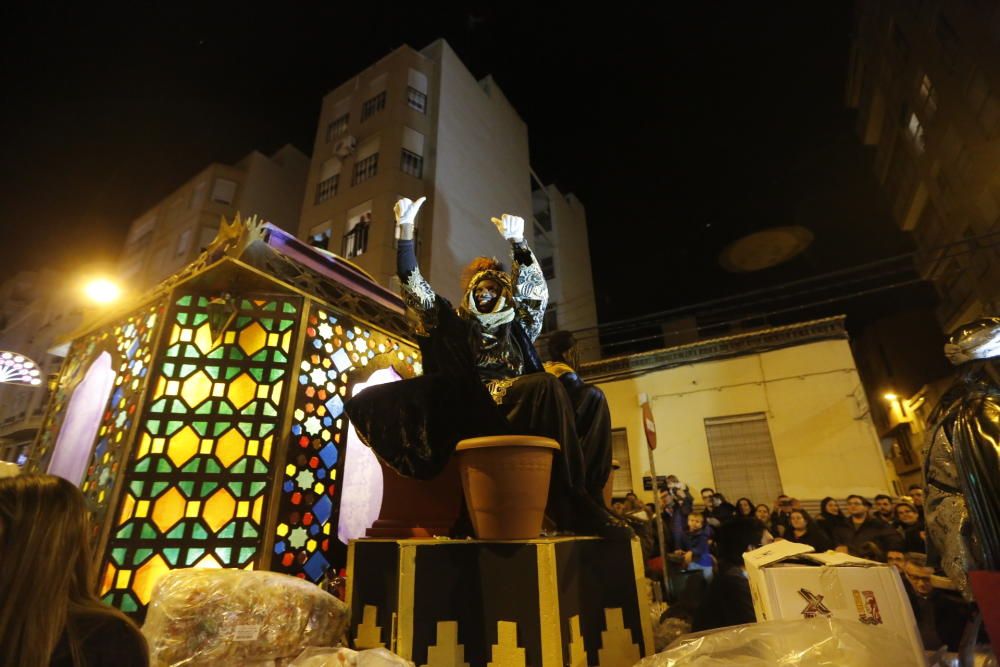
482	377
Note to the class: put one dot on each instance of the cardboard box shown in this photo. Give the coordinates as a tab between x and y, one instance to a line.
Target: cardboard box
789	581
546	602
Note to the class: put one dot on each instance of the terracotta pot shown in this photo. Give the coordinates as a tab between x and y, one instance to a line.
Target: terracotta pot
610	484
506	484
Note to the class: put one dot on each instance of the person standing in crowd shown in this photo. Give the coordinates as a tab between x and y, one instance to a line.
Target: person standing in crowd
683	505
830	516
802	529
49	611
695	546
763	514
718	511
910	524
861	528
779	517
728	600
897	560
883	509
744	508
916	494
941	615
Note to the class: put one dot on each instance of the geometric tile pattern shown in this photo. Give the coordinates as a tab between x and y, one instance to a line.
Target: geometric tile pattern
195	489
131	339
335	351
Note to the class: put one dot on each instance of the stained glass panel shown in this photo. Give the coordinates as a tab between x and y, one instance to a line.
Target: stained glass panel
195	490
305	537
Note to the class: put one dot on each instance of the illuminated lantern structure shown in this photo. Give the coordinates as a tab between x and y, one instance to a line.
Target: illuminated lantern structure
205	421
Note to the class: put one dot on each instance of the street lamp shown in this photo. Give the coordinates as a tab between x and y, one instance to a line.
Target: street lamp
102	290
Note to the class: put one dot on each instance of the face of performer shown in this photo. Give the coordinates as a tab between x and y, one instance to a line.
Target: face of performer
485	293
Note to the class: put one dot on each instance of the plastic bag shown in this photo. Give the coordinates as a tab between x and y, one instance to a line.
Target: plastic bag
345	657
817	642
238	617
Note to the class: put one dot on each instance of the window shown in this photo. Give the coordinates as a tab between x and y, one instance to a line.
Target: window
198	195
184	243
365	169
337	128
550	322
372	106
412	159
621	478
320	236
355	241
416	99
366	161
224	191
743	462
329	177
548	265
416	91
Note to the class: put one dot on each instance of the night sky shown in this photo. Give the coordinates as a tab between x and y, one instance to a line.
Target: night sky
681	126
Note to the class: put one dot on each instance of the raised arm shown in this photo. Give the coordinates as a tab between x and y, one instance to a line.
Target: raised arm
417	292
530	290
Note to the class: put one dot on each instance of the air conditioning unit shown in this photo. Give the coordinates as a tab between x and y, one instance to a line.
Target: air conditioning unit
345	146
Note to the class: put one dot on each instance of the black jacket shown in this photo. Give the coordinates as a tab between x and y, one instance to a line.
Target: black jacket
872	530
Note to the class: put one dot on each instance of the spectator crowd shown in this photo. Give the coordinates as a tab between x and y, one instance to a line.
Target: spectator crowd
704	545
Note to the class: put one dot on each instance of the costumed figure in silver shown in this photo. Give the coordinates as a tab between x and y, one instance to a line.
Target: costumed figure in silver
962	466
482	376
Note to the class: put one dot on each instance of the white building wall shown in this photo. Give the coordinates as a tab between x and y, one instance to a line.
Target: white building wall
824	445
481	170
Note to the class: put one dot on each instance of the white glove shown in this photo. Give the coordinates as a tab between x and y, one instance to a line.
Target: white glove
406	210
511	227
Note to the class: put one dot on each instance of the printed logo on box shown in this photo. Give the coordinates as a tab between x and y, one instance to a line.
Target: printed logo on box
814	604
867	607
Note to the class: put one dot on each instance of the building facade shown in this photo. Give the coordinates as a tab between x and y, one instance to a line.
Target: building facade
38	310
778	410
925	79
418	123
173	233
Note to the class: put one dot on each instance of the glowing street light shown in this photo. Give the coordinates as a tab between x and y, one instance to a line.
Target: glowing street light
102	290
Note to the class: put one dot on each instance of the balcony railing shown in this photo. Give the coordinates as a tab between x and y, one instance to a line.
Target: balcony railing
412	164
326	189
355	241
365	169
416	99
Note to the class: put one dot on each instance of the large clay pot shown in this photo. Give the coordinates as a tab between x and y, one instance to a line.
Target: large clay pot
506	484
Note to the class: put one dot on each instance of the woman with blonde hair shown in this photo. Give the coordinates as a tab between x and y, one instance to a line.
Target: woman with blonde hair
49	612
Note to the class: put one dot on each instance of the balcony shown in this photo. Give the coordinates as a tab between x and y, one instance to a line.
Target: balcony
326	189
355	241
